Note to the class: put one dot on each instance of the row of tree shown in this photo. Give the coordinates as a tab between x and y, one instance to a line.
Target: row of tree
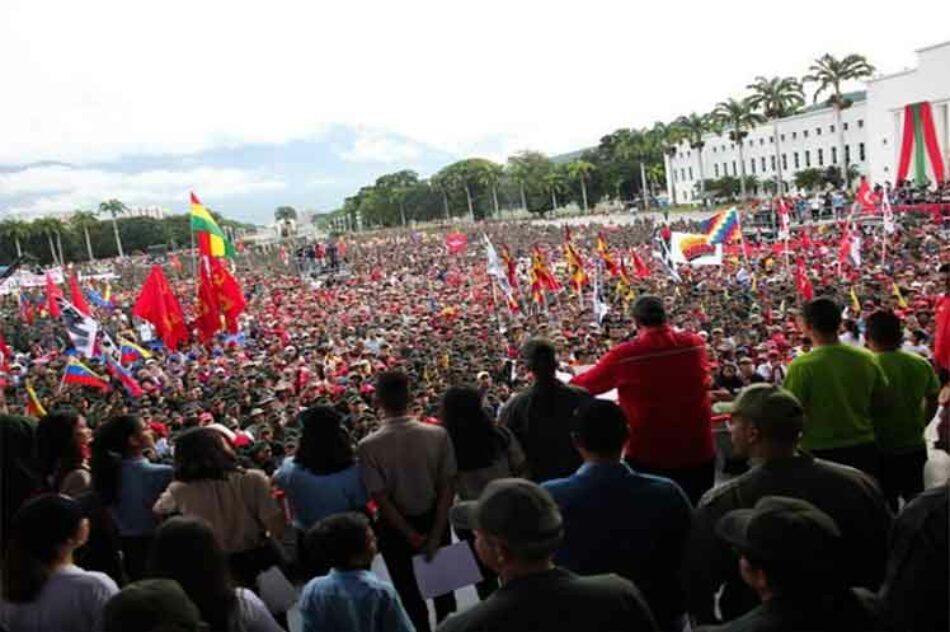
84	237
628	164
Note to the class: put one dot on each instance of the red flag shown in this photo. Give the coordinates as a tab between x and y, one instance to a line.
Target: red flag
511	267
610	264
863	197
802	282
806	239
207	310
639	267
230	297
77	297
52	293
157	304
942	337
456	242
844	247
6	354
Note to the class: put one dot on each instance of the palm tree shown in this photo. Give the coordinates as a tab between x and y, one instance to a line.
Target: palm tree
440	182
645	146
829	73
669	136
51	227
82	221
114	208
694	127
738	117
519	171
554	182
489	176
580	170
777	98
16	231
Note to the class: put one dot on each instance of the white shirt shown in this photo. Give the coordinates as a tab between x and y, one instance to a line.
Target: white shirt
252	614
71	601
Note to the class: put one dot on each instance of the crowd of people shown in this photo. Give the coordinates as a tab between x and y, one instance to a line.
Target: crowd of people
754	461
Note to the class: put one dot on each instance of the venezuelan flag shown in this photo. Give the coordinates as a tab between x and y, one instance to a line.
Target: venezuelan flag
131	352
79	373
125	378
34	407
723	227
211	239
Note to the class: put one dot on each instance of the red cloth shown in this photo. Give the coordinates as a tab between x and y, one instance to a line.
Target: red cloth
942	338
157	304
661	377
76	295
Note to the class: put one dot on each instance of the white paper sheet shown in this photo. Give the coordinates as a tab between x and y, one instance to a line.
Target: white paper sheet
453	567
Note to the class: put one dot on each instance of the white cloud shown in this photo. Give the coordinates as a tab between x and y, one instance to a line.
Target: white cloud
57	189
376	147
107	78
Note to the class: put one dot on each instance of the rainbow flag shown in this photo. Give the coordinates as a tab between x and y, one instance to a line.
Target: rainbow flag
723	227
34	407
79	373
131	352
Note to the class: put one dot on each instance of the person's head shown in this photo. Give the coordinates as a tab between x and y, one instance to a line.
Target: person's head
787	547
472	432
392	392
540	357
151	605
187	551
821	319
344	541
116	439
766	421
883	331
62	443
325	446
648	311
517	525
203	453
600	430
45	532
944	271
746	366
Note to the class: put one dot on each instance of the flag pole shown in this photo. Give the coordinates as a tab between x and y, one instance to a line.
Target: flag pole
745	255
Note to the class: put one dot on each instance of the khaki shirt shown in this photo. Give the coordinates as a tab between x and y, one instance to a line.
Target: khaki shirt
237	508
408	461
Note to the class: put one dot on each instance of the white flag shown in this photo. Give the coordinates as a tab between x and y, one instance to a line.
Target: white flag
888	213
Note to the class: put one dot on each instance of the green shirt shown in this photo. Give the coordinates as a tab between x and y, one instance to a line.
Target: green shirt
912	381
838	385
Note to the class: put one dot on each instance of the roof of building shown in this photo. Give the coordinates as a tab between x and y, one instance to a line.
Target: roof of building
855	97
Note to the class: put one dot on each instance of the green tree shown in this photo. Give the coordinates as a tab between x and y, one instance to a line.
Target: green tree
738	117
440	182
113	208
554	184
285	216
830	73
670	135
489	174
809	179
395	187
777	98
580	170
528	169
695	127
82	221
51	228
16	231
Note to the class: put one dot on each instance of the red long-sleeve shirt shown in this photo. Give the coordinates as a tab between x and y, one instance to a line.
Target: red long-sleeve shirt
661	377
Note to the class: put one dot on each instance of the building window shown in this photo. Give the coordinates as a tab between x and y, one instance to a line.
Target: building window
781	137
817	131
821	158
860	125
761	141
771	139
682	174
807	158
752	165
831	129
716	169
795	155
861	151
784	163
763	164
688	153
734	172
772	161
794	135
804	133
844	127
847	154
725	168
691	174
834	155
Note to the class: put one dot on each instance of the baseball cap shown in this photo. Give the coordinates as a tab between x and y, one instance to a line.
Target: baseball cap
151	605
782	530
520	512
768	406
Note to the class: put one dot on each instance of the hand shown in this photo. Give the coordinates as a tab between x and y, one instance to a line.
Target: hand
431	546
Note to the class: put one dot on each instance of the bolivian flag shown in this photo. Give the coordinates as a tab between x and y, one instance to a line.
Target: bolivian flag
211	239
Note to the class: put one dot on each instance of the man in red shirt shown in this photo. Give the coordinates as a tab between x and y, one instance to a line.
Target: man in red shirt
662	378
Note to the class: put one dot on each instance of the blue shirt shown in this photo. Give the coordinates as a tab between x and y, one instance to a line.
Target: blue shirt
356	601
140	484
316	496
619	521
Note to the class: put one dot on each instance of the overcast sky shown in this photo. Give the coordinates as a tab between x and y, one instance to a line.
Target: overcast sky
258	104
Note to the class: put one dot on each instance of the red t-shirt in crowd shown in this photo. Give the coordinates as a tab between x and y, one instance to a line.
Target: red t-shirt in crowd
661	377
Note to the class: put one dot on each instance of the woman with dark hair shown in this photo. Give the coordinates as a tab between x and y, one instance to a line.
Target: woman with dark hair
128	484
43	589
62	449
18	477
322	478
484	452
186	550
236	503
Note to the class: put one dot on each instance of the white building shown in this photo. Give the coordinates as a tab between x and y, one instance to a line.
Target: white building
871	130
154	212
806	140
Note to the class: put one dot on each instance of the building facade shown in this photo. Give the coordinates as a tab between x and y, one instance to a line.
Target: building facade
870	134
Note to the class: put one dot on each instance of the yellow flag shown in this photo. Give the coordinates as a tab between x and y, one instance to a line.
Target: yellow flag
855	303
900	297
